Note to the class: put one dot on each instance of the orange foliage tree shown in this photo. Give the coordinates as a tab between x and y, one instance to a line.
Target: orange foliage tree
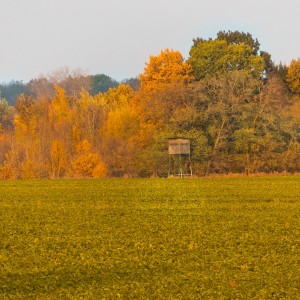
164	86
293	76
87	163
168	67
120	130
27	140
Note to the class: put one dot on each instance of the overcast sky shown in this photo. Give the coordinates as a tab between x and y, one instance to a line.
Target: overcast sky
116	37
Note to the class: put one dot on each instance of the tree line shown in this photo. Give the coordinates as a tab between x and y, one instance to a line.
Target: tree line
240	110
72	81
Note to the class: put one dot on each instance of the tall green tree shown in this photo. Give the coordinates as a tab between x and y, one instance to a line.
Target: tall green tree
101	83
238	37
210	57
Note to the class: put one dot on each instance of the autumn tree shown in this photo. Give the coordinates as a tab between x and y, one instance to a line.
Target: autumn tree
25	117
86	162
41	88
163	90
223	104
60	113
119	132
295	114
24	153
210	57
276	92
238	37
168	67
61	119
72	81
58	159
162	85
293	76
6	115
6	126
90	113
118	97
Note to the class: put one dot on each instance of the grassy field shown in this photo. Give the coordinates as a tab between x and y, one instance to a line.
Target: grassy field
222	238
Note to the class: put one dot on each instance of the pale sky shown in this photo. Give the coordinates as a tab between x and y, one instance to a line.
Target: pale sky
116	37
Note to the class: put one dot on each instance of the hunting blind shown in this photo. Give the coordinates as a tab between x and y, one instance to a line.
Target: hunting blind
179	157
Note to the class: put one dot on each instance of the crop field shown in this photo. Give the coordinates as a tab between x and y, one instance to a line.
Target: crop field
213	238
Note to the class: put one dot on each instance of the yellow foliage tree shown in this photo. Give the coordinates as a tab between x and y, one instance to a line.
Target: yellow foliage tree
118	97
90	113
27	129
59	159
293	76
60	111
119	139
25	119
121	123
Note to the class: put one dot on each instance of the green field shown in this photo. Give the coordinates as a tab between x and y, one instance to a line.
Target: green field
221	238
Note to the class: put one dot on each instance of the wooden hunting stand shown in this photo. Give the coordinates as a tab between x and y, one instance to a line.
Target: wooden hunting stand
180	157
